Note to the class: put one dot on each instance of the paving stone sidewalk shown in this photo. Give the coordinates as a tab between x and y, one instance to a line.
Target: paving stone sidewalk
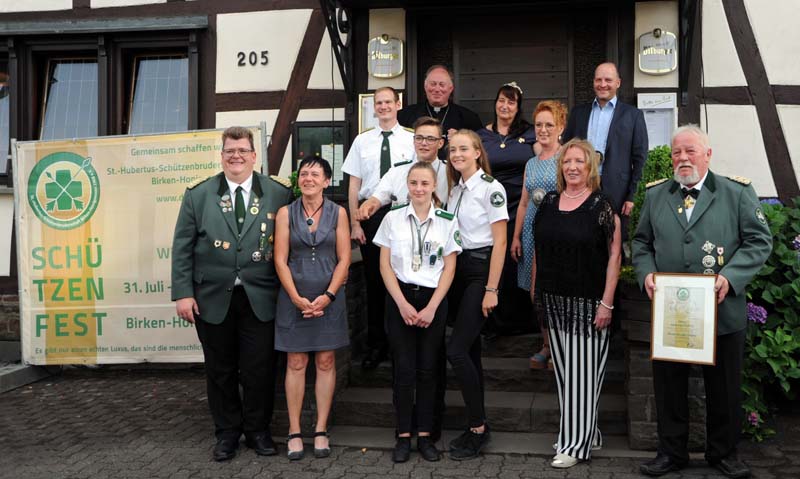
142	424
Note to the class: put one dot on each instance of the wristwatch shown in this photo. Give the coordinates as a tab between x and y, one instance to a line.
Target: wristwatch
330	296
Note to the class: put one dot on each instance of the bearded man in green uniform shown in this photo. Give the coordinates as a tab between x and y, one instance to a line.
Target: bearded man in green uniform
224	281
700	222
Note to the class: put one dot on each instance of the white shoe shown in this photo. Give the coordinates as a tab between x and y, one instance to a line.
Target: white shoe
563	461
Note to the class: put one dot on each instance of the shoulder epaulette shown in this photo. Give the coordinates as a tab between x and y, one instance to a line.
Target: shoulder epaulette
398	206
410	130
486	177
657	182
401	163
740	179
444	214
281	180
198	181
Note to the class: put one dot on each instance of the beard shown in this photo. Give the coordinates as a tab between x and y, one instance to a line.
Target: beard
687	180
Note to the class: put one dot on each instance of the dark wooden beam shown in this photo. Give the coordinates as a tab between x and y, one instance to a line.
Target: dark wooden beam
786	94
727	95
296	90
744	40
271	100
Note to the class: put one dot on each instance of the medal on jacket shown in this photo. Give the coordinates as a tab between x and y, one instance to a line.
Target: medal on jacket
256	256
708	261
720	259
688	202
708	247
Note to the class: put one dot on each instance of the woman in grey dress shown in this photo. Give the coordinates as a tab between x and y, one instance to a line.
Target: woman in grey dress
312	257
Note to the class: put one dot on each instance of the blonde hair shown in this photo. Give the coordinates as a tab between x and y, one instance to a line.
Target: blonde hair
483	159
592	163
421	165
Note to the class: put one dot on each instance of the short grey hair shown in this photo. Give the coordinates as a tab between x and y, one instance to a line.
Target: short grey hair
440	67
694	129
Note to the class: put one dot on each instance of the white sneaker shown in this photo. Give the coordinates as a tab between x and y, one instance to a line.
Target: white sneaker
563	461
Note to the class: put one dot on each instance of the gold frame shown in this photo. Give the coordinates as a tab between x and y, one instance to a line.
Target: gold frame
705	355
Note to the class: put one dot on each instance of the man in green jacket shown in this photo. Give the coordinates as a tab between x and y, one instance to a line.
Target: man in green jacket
700	222
224	281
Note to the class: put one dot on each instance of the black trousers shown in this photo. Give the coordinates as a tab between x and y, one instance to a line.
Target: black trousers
415	359
724	414
240	350
376	291
464	347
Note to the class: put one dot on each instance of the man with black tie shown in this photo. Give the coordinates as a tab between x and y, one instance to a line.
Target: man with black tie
224	281
618	132
701	222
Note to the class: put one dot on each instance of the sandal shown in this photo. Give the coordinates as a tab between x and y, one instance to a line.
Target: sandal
324	452
294	455
540	359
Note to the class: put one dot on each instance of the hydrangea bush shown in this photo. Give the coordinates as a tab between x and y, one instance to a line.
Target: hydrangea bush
772	348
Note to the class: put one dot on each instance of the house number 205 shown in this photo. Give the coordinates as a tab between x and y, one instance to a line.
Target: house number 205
252	58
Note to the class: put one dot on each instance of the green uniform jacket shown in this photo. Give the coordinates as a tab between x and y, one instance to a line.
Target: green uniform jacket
208	253
727	215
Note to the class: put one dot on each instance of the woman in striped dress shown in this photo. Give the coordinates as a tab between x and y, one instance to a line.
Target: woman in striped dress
577	263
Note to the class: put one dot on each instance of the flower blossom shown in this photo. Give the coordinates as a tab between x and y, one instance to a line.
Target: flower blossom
796	243
756	313
753	418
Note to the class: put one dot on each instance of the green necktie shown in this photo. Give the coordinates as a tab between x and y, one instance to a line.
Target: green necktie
239	209
386	154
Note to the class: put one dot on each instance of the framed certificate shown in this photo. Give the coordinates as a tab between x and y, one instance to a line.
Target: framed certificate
366	111
684	318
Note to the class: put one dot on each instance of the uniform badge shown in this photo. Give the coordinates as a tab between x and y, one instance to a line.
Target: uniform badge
263	227
256	256
708	247
708	261
217	243
521	140
720	258
708	271
457	237
760	216
497	199
225	197
226	245
270	216
254	210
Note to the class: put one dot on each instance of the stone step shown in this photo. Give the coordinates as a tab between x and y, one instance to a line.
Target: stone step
506	411
500	374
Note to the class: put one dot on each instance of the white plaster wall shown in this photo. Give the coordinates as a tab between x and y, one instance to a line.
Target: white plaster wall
720	61
391	21
122	3
651	15
321	74
280	32
737	146
255	117
778	38
8	6
790	123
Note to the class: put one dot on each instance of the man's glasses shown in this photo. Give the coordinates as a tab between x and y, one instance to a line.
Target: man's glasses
232	151
426	139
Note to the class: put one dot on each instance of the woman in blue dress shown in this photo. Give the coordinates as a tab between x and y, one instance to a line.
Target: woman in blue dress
508	142
539	178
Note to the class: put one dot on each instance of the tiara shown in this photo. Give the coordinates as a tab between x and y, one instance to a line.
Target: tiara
514	85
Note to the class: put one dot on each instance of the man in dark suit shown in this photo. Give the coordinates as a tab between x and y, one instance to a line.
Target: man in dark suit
224	281
437	104
699	222
618	132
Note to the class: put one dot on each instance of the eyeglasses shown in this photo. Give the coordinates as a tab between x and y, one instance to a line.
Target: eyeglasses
441	84
232	151
546	126
426	139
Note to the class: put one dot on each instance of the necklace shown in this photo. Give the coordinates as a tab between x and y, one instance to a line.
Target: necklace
572	197
310	217
430	114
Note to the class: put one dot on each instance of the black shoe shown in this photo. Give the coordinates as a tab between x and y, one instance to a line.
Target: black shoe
731	466
294	455
427	449
472	444
324	452
458	442
661	465
262	444
374	358
402	449
225	449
